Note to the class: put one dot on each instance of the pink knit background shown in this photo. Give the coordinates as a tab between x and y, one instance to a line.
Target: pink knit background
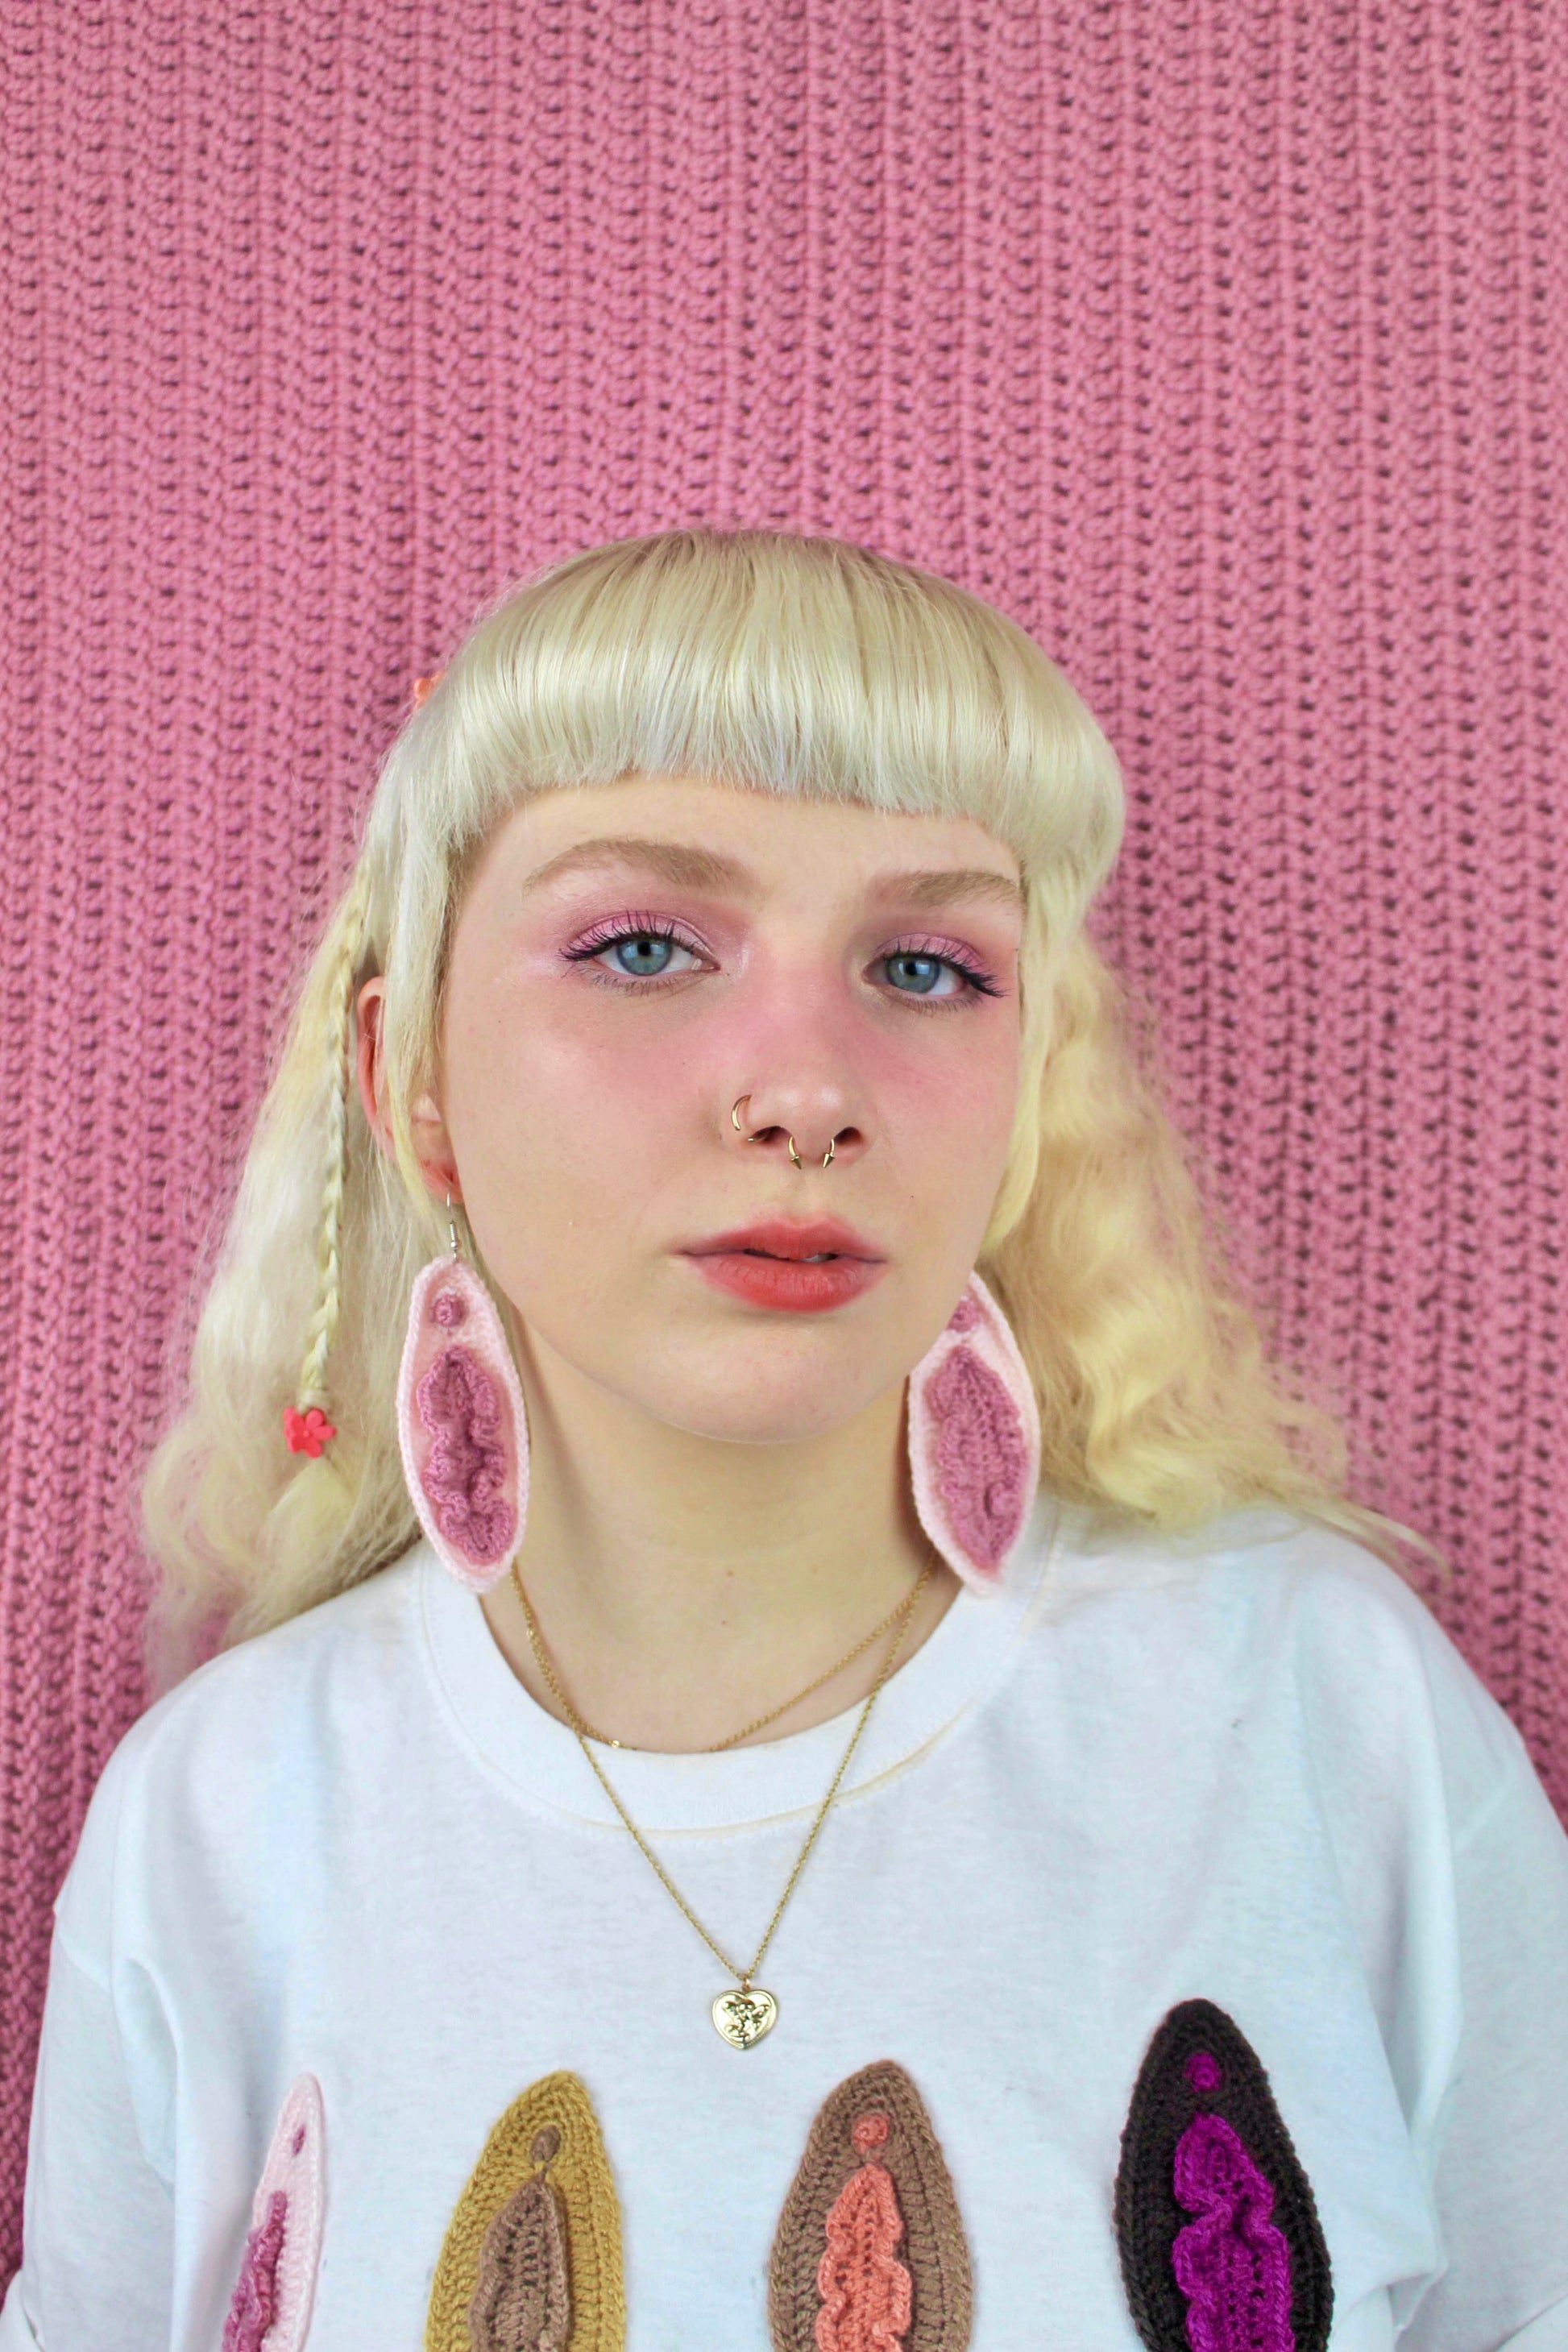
1224	347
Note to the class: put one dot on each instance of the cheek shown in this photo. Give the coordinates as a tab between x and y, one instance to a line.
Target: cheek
971	1075
547	1104
948	1112
559	1109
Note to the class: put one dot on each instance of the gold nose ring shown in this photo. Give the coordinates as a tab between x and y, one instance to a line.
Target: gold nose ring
828	1156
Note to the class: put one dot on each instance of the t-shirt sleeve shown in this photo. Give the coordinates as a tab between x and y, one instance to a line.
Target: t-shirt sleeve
97	2220
97	2214
1499	2182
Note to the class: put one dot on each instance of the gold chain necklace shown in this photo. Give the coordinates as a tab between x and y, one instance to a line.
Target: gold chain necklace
759	1722
744	2014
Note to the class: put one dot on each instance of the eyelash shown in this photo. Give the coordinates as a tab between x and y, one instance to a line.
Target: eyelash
976	981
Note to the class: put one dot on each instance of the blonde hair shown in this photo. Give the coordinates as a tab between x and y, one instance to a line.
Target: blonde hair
792	665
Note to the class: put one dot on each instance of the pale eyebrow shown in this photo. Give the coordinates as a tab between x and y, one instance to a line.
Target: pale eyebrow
687	867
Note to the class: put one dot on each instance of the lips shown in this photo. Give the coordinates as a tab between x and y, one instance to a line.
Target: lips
781	1238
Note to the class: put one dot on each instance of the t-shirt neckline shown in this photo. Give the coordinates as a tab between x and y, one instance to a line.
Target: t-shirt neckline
538	1763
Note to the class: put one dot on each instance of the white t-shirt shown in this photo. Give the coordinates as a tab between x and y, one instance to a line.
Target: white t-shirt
1248	1770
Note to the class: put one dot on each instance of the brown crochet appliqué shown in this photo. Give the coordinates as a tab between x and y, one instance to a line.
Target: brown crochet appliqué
523	2295
1215	2222
870	2253
532	2257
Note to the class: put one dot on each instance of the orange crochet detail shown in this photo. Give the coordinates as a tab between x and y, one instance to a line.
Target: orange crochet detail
869	2254
866	2293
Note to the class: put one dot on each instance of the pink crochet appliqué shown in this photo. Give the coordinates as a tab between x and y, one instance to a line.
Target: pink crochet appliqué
271	2309
255	2305
1231	2263
465	1469
461	1425
975	1440
868	2294
982	1461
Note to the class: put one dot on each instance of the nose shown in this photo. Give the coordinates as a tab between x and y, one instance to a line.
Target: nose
798	1094
846	1142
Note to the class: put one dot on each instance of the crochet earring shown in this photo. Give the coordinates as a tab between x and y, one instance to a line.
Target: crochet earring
975	1440
461	1423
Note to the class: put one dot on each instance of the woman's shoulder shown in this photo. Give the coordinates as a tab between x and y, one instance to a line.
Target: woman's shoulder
362	1635
1259	1564
1283	1610
248	1731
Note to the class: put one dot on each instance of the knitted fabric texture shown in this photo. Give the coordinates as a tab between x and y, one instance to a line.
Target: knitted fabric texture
461	1425
522	2300
1222	348
866	2300
871	2205
973	1439
534	2240
255	2305
465	1476
1231	2263
1215	2222
270	2308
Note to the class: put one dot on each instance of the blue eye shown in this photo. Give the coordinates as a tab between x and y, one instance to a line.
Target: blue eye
645	949
938	979
917	975
637	947
643	955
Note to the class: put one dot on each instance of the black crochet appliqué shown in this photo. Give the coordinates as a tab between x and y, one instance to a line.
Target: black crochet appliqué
1225	2080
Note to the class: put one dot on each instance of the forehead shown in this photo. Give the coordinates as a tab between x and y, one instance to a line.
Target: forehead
732	835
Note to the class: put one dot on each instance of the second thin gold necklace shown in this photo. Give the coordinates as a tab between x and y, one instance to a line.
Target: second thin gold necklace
746	2012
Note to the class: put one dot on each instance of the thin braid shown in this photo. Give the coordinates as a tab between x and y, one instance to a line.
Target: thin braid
324	1322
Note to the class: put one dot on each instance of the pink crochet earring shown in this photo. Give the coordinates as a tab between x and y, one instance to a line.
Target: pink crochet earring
462	1424
975	1440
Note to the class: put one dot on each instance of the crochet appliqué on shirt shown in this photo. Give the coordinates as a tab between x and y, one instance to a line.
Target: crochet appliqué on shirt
271	2309
869	2254
1215	2222
532	2257
523	2295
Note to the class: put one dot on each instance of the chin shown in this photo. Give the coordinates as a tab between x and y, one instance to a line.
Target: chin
760	1411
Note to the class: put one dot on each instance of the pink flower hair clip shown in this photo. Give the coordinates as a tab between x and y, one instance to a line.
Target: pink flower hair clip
307	1432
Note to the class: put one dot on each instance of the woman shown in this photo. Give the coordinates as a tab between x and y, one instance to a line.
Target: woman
796	1759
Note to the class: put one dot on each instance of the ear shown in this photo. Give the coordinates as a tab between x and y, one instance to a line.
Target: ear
367	1024
431	1140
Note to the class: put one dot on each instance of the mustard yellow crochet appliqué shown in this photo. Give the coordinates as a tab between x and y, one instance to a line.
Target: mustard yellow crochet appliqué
532	2257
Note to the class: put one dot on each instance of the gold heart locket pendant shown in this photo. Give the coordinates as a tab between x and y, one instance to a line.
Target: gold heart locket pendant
744	2015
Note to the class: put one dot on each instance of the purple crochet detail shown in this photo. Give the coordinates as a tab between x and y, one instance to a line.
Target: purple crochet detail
982	1460
1231	2263
965	1315
465	1477
1202	2071
450	1308
255	2305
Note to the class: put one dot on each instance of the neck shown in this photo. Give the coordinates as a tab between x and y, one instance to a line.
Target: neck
683	1585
